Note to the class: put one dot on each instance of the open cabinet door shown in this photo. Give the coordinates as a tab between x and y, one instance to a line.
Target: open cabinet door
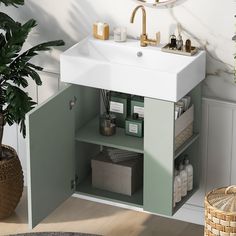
50	154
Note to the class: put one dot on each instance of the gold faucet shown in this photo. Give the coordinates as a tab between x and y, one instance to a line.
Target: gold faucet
144	41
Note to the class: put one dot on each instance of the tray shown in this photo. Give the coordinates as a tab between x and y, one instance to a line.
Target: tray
166	48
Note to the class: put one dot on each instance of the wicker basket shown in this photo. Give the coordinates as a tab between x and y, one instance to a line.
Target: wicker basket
11	183
220	212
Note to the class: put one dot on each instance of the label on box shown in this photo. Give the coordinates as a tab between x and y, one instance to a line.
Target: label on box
100	28
117	107
139	110
133	128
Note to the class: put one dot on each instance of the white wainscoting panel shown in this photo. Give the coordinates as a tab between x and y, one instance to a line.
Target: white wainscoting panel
50	86
10	136
233	164
220	143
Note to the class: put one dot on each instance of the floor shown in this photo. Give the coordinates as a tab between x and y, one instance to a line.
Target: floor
77	215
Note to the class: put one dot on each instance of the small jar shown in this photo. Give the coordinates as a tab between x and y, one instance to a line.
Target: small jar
134	126
120	34
107	124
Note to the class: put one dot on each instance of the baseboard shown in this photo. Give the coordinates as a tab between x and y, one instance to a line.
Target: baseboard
188	213
191	214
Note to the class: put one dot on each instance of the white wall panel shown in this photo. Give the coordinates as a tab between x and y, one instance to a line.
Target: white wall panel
220	143
219	146
49	87
10	136
233	165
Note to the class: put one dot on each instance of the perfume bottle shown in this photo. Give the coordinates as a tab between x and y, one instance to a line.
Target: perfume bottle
179	42
172	42
188	45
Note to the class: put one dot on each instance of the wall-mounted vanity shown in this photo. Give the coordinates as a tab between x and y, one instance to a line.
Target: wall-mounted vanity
63	132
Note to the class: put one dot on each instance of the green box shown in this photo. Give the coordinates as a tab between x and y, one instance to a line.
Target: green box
137	106
134	127
120	107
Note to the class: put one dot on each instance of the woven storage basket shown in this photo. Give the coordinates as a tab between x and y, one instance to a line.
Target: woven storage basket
183	136
220	212
11	183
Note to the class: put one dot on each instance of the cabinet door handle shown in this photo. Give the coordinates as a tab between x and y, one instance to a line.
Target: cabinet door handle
72	102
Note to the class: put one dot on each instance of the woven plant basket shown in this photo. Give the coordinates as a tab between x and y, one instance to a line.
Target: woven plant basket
11	183
220	212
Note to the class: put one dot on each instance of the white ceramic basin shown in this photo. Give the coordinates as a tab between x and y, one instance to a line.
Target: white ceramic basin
116	66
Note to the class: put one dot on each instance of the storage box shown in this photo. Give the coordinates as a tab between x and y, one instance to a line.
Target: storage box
104	35
184	127
120	106
137	106
124	177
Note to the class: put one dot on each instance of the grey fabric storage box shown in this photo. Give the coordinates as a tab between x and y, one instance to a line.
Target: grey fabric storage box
124	177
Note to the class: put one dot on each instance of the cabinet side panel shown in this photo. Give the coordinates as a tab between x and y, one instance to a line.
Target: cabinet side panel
158	156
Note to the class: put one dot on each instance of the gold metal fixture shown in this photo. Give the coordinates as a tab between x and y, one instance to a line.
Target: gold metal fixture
144	41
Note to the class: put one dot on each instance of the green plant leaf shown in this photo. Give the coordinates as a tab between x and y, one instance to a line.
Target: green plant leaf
18	104
15	66
12	2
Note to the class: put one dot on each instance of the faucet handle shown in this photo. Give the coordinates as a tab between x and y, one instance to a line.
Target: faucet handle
158	38
153	42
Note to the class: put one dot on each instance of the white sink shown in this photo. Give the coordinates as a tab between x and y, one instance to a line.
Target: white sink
116	66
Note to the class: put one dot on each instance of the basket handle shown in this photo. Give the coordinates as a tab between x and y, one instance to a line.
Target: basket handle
229	188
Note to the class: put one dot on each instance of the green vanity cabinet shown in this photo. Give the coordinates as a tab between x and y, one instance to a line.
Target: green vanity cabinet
63	136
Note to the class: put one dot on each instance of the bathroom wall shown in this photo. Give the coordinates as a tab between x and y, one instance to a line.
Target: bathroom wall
209	24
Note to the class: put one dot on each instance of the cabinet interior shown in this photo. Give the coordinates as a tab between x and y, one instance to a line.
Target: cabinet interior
89	142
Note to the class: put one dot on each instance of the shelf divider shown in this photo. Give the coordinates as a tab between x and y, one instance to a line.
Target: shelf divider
186	144
86	188
90	133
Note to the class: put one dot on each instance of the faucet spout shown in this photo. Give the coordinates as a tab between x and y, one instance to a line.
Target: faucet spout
144	32
144	40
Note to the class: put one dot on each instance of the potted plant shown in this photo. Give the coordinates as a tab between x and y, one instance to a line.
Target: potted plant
15	71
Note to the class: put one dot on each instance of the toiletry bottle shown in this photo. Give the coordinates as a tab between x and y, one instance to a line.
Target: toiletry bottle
177	187
188	45
189	170
172	44
179	42
183	176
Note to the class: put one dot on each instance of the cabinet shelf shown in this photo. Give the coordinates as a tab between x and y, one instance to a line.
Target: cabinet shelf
184	200
90	133
186	144
86	188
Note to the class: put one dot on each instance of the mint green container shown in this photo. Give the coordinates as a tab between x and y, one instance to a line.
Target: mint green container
134	126
120	107
137	106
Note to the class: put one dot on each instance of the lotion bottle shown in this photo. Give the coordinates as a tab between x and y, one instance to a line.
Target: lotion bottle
189	170
177	188
183	176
